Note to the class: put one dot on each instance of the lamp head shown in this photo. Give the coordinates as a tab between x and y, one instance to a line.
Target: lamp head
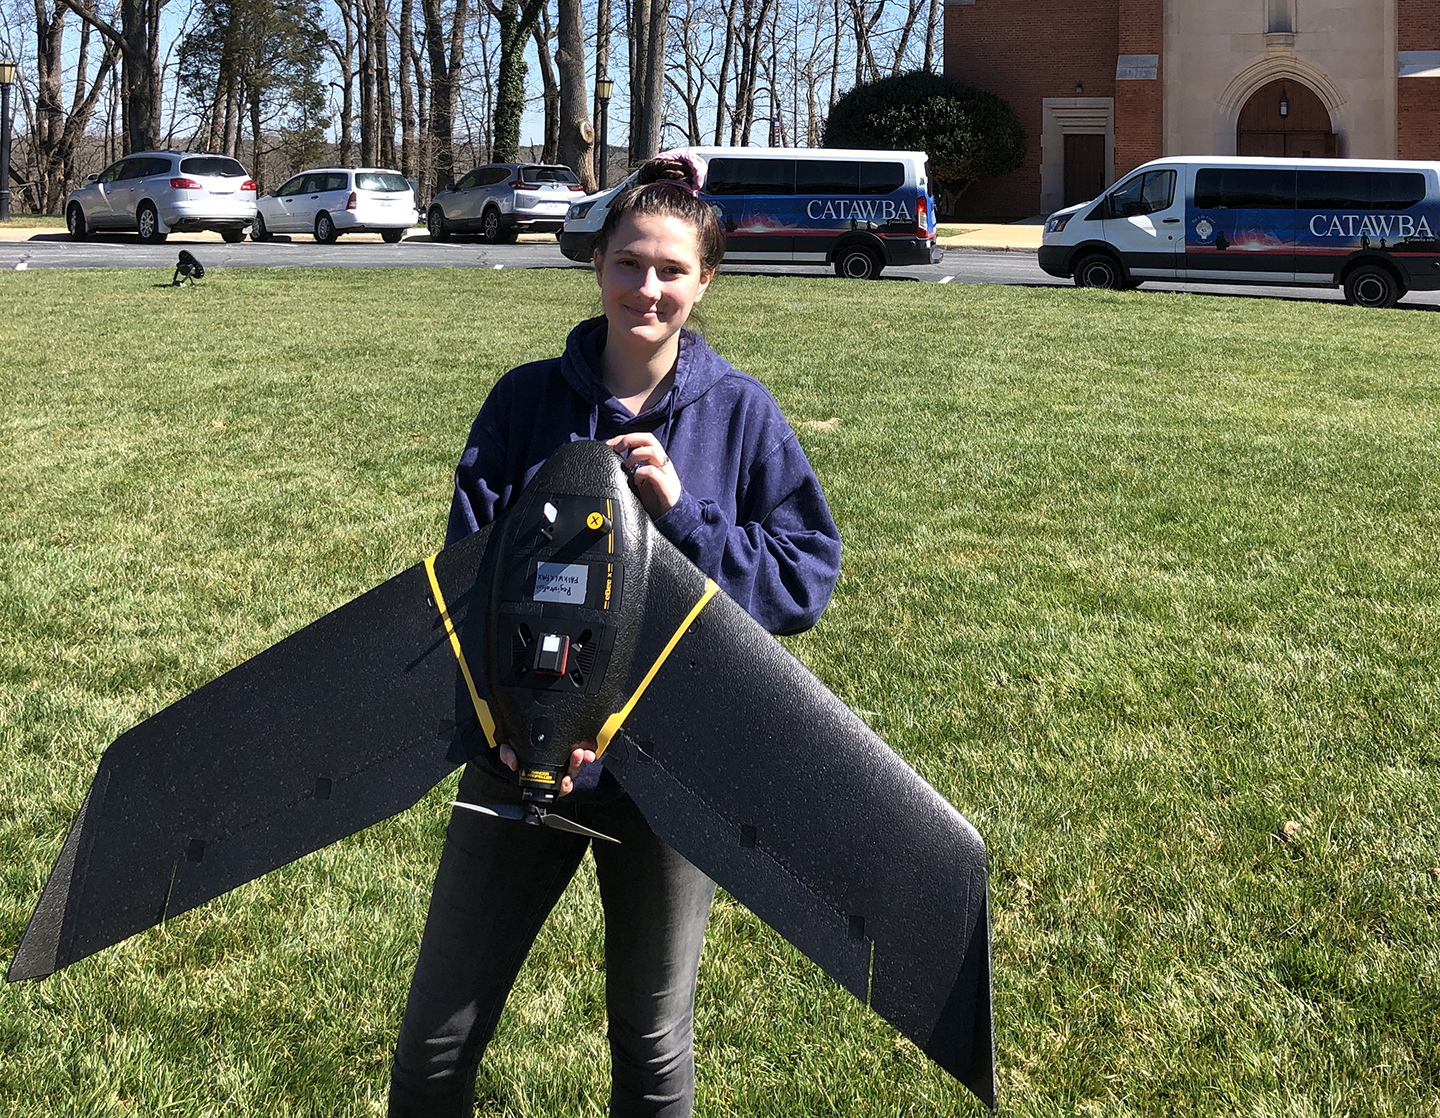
604	87
7	71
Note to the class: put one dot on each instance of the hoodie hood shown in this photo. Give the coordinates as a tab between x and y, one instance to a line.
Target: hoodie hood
698	369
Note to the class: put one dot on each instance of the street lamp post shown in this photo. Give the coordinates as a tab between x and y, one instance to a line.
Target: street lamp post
7	79
604	87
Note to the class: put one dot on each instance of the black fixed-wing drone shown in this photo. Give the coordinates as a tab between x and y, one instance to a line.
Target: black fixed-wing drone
569	619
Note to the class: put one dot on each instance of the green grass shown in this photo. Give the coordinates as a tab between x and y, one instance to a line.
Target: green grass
33	221
1134	579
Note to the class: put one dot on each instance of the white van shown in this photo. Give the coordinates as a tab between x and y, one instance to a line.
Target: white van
857	210
1371	226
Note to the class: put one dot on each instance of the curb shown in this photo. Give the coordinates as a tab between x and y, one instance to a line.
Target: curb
1028	249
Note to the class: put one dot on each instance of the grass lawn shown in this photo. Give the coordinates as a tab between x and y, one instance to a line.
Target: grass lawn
33	221
1145	584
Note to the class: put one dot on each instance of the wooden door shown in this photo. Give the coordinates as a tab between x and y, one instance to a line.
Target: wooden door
1287	120
1084	167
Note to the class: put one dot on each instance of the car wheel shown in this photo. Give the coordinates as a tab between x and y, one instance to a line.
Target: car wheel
258	231
436	223
232	236
392	236
1099	270
858	262
1371	286
147	224
325	229
490	228
75	222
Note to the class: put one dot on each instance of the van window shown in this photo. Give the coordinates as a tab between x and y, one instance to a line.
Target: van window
881	178
1144	194
1359	190
729	175
827	176
1244	188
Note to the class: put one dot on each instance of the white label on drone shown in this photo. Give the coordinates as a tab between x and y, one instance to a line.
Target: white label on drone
561	582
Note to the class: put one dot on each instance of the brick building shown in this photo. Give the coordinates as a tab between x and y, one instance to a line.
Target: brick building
1104	85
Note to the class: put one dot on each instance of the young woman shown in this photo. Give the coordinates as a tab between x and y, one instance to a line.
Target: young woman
724	478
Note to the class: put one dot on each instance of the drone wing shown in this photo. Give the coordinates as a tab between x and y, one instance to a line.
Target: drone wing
331	730
753	770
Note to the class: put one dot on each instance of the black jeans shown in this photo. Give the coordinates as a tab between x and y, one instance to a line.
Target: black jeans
497	882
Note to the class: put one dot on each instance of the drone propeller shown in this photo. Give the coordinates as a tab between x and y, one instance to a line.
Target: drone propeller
534	815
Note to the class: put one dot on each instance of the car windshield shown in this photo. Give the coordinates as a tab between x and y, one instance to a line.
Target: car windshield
368	180
562	175
217	165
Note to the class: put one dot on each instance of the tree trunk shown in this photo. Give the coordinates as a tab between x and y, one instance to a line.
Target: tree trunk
577	134
550	148
444	79
602	68
384	99
514	21
405	35
638	21
366	13
653	114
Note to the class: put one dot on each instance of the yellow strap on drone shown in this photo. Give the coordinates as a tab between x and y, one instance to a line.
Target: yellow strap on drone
616	720
482	708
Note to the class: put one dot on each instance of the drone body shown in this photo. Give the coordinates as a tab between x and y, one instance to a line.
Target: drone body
570	619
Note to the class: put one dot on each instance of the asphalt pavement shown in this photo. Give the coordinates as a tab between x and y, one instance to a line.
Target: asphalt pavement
1017	267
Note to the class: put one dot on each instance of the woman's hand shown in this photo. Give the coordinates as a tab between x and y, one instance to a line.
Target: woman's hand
650	469
582	754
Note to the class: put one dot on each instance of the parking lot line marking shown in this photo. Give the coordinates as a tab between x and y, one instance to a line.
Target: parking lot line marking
499	266
22	266
946	279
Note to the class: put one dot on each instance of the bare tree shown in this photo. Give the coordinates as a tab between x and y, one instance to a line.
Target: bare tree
138	39
543	33
576	133
57	131
446	58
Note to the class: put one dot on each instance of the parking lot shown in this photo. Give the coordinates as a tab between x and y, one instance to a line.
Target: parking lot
52	248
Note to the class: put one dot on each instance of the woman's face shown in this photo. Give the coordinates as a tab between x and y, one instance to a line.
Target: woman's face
649	279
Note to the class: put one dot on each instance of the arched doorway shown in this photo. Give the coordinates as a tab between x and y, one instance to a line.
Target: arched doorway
1285	119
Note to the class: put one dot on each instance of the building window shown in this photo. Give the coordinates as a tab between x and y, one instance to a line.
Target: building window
1278	20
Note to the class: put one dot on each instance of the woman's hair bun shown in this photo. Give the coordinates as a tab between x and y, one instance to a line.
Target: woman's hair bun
678	167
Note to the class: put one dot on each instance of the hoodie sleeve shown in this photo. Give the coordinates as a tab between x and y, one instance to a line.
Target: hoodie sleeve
479	478
782	560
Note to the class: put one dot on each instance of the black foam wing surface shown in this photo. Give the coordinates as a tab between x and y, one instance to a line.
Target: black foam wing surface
744	762
333	729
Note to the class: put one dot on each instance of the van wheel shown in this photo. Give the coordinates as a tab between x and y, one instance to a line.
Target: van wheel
1371	286
1099	270
392	236
858	262
232	236
75	221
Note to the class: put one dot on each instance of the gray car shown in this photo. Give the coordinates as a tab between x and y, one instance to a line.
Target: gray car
157	193
501	200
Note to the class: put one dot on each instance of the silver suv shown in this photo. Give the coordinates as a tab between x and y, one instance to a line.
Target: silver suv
501	200
157	193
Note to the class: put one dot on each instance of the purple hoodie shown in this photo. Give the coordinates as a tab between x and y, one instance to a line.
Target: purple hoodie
751	515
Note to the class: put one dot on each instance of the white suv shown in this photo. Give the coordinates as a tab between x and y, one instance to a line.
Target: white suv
328	201
161	192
